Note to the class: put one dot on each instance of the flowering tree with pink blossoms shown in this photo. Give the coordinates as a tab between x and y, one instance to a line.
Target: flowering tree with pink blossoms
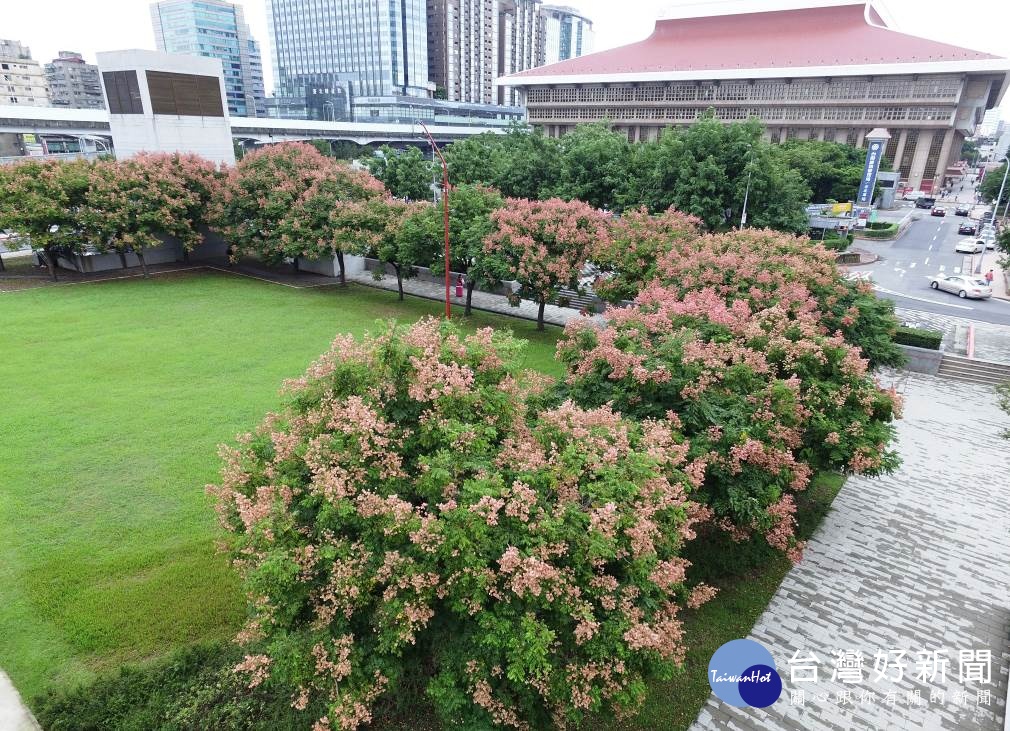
638	240
544	245
418	513
134	204
314	226
764	397
259	193
42	201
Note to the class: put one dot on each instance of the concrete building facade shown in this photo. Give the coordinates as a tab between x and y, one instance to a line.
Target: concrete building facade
831	72
215	29
564	33
73	82
22	80
164	102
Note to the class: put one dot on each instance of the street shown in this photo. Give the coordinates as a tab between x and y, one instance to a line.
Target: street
925	250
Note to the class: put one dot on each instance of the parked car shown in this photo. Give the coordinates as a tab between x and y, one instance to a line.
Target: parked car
962	210
925	202
967	228
938	211
962	285
970	246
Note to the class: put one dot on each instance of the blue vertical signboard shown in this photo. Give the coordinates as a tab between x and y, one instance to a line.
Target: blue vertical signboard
869	178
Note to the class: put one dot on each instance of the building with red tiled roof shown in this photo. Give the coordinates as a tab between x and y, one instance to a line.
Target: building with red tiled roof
830	72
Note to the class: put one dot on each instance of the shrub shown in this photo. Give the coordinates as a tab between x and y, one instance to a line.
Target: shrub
879	230
421	511
764	399
192	689
918	337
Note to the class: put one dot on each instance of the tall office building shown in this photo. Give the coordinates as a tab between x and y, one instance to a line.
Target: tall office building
21	78
473	42
328	52
74	83
215	29
564	33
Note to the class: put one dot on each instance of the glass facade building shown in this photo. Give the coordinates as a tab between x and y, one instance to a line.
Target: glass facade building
326	53
564	34
215	29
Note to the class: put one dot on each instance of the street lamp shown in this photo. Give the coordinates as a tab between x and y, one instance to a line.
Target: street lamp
445	209
746	194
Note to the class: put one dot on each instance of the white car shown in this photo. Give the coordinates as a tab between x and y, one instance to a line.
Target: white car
963	285
970	246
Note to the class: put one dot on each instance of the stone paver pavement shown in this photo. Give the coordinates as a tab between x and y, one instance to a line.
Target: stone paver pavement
919	560
14	716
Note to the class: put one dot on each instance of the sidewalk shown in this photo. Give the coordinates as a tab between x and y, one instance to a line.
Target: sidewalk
485	301
914	561
14	716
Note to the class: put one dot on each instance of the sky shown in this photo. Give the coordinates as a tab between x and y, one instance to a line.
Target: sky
49	26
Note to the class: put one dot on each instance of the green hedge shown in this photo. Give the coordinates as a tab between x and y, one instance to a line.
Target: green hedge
918	337
879	230
833	242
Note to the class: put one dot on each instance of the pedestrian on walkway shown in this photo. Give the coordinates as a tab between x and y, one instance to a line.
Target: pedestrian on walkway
989	277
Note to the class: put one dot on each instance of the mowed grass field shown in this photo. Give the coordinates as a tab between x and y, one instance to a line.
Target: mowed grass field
113	399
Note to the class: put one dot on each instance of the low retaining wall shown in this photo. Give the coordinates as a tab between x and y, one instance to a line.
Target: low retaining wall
922	360
328	266
212	247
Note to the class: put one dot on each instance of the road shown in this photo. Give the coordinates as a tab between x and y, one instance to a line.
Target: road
927	249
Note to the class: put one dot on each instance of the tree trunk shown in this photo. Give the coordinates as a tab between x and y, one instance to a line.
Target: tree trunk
122	259
143	264
50	261
540	314
399	280
340	263
470	284
294	264
185	255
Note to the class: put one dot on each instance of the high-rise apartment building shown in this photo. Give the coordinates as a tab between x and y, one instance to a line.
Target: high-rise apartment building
21	78
473	42
215	29
328	52
74	83
564	33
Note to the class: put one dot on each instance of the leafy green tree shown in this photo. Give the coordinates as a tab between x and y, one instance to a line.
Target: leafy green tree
594	165
521	163
969	150
990	185
831	170
470	209
407	174
372	228
43	201
704	170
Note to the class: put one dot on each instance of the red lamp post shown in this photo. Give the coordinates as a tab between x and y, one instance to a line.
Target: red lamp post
445	209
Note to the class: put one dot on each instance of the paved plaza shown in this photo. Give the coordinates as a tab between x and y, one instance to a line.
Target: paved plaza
917	561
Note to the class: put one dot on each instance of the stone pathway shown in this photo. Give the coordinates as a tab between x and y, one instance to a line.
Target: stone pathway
919	560
14	716
992	341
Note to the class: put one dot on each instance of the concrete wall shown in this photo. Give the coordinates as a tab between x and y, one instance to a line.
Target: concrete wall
327	266
922	360
133	133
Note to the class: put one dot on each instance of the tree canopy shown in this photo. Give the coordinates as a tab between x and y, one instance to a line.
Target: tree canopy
406	174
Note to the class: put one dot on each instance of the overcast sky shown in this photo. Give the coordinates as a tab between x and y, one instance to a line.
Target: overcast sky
48	26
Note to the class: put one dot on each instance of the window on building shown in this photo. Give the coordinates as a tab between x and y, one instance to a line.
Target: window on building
123	91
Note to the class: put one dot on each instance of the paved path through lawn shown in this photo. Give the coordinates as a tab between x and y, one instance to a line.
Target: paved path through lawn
916	561
13	714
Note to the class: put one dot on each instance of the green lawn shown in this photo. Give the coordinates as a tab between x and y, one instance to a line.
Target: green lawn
114	398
